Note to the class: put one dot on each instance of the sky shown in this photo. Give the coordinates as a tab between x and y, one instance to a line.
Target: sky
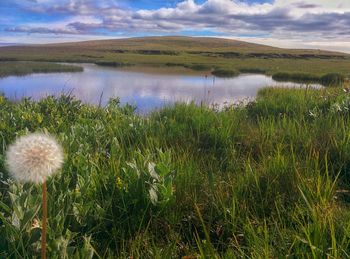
319	24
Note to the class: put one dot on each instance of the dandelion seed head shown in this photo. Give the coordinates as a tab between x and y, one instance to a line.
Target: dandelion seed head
34	157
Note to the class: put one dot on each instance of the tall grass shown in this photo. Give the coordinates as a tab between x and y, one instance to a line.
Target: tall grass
267	180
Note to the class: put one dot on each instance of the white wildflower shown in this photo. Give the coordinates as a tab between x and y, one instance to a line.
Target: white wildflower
34	157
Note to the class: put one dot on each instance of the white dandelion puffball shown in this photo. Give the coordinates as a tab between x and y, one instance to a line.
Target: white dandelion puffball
34	157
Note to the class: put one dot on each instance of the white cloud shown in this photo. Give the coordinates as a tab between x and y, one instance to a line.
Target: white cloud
338	45
293	20
49	38
329	5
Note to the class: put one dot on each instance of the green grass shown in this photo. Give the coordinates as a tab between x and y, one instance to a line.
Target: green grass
330	79
296	77
198	67
112	64
269	180
252	70
220	72
333	79
13	68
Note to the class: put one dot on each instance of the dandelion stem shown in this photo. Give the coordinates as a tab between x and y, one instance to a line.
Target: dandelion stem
44	219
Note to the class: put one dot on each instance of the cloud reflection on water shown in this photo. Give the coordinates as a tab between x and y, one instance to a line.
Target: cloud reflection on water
146	91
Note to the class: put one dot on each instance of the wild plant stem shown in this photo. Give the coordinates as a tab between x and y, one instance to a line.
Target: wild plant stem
44	219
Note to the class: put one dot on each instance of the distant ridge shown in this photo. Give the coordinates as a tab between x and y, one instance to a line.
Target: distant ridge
174	51
8	44
188	44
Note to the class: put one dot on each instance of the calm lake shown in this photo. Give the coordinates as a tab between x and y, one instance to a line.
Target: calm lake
145	90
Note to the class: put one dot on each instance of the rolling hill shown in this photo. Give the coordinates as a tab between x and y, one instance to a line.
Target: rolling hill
172	44
199	53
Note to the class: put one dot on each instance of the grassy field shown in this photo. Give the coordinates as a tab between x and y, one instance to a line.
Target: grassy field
269	180
205	54
24	68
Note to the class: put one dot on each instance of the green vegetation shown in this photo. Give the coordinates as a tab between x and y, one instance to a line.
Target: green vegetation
252	70
331	79
24	68
220	72
201	54
199	67
112	64
296	77
267	180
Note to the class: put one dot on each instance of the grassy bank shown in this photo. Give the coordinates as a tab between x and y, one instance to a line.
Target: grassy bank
268	180
330	79
13	68
296	77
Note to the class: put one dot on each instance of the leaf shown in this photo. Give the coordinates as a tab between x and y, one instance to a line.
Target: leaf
162	169
16	207
35	235
152	171
153	195
134	166
5	207
28	216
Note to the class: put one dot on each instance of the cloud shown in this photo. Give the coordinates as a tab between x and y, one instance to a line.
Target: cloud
41	30
283	18
306	6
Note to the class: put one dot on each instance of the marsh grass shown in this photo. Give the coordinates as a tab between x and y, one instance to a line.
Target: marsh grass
221	72
24	68
199	67
296	77
252	70
330	79
333	79
267	180
113	64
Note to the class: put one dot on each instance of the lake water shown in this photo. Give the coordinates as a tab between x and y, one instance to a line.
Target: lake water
145	90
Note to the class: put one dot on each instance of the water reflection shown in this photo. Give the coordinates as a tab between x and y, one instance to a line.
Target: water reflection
146	91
